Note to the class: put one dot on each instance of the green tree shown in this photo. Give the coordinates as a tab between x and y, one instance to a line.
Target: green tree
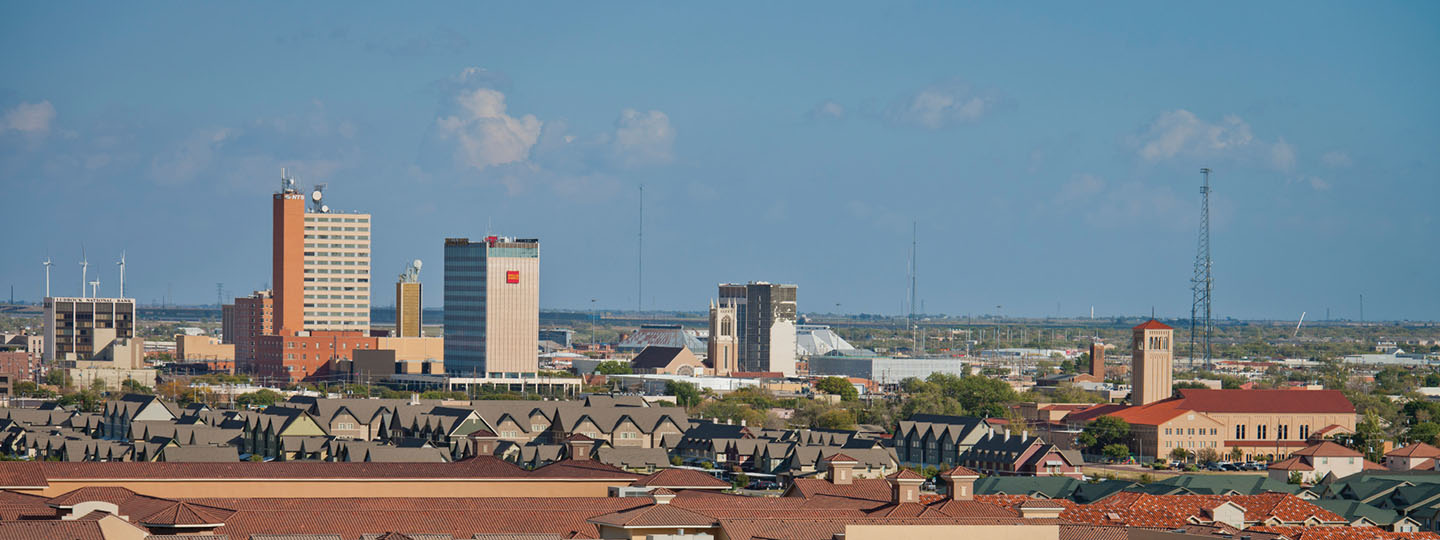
132	386
930	403
1103	432
58	378
835	419
978	395
98	386
613	367
263	397
1236	454
838	386
1423	432
740	480
1207	456
1297	477
730	410
1116	451
1179	454
686	394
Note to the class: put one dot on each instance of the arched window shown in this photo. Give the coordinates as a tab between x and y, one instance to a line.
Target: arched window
725	326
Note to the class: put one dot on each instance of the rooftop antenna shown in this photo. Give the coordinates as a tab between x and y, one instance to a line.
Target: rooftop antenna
47	264
84	267
317	202
287	184
411	273
640	256
1202	283
122	273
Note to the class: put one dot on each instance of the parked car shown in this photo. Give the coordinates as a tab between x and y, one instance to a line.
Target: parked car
764	485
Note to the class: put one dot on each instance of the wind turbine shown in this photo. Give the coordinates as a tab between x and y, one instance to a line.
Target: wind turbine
84	267
122	273
47	264
95	288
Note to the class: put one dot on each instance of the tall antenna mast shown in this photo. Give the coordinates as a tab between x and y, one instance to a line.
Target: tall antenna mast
1202	283
84	267
640	257
914	245
47	264
122	273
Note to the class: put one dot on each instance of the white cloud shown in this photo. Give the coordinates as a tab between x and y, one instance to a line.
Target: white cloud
643	138
1319	184
826	110
1282	155
190	157
486	134
1336	159
29	118
1182	134
940	105
1082	186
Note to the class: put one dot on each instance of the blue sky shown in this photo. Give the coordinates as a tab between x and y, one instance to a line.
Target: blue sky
1048	155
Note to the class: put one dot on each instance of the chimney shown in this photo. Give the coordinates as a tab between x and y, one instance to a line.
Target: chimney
742	422
483	442
1025	435
905	486
841	469
962	483
1097	360
1040	509
579	446
1007	434
662	495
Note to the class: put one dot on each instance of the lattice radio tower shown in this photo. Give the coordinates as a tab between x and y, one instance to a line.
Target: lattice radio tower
1202	282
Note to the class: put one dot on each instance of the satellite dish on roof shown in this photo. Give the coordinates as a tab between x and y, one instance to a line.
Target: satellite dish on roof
416	264
317	197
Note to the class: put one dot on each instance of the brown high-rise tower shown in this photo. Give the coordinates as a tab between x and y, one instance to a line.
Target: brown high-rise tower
1150	376
288	259
1097	360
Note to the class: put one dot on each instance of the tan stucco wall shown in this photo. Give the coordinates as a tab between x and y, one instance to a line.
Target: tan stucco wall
202	348
950	532
414	348
344	488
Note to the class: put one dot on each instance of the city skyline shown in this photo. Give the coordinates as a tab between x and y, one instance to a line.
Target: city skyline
1042	177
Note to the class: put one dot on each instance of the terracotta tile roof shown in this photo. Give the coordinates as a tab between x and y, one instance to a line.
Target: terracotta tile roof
1152	324
1417	450
908	509
1293	463
581	468
864	489
680	479
904	474
475	467
1327	449
183	513
1343	533
959	472
350	518
22	474
1168	511
838	457
51	530
827	529
656	515
1267	401
972	509
130	503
